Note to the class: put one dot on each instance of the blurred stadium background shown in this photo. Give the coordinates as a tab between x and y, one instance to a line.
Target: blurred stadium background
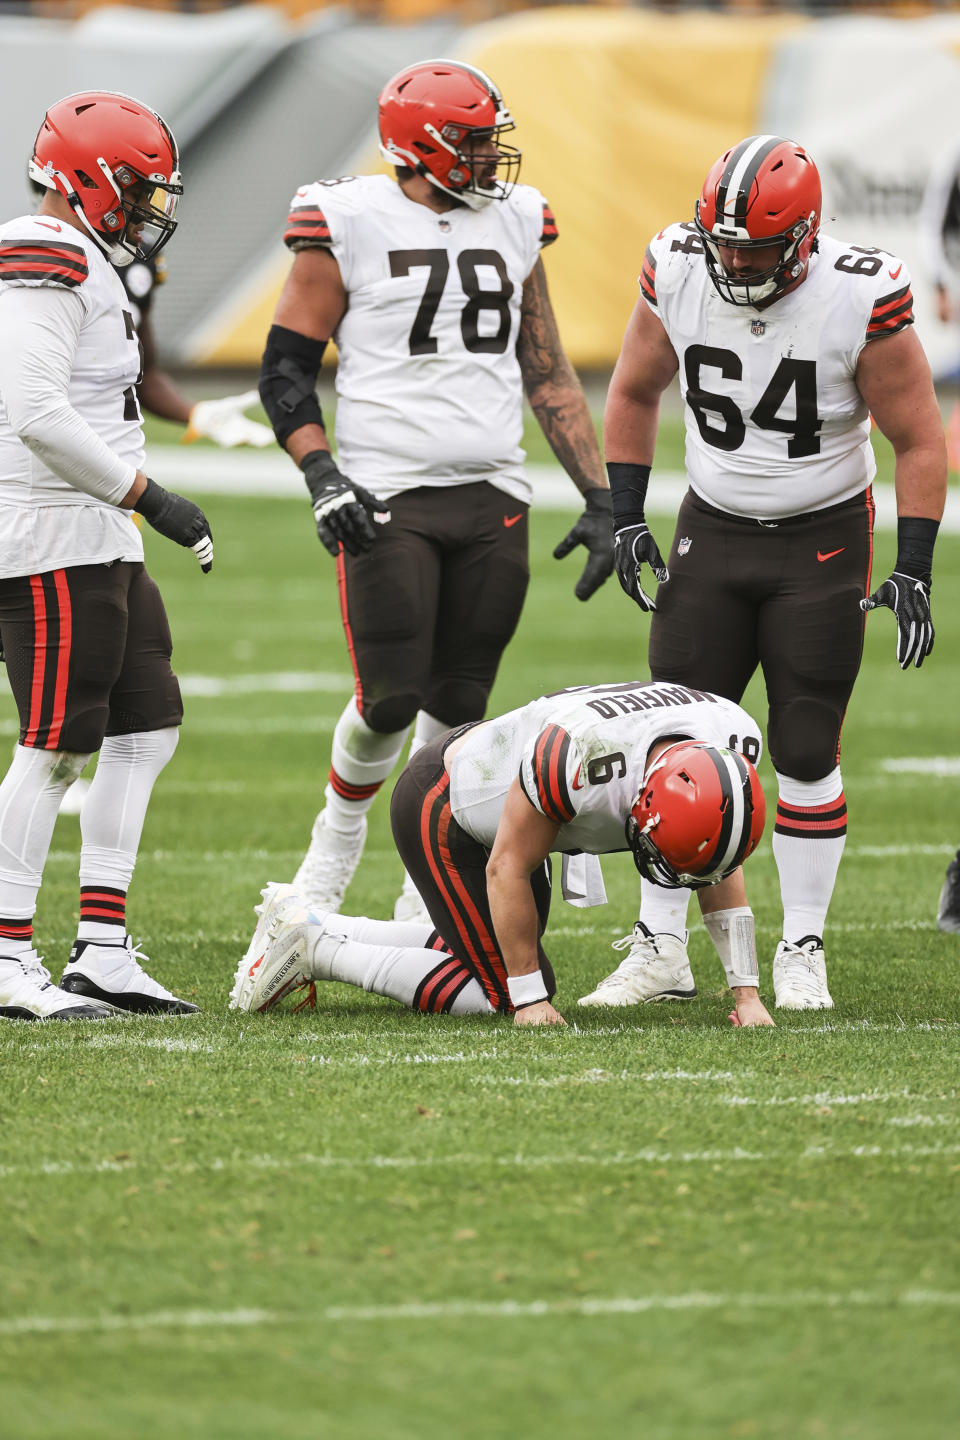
620	110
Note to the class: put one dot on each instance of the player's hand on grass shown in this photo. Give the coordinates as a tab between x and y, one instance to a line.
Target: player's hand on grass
594	529
178	519
542	1013
341	509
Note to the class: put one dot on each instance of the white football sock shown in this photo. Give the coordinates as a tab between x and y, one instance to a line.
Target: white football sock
663	911
30	796
111	822
396	971
360	762
808	840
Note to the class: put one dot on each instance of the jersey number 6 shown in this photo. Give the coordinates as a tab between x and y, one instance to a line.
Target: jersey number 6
437	263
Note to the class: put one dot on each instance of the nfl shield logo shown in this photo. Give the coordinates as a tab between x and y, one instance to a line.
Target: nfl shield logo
757	327
684	545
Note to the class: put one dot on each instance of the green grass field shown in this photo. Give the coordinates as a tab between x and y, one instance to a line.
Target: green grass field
366	1223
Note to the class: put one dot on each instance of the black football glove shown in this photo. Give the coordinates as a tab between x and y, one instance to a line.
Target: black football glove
909	599
341	509
634	546
177	518
594	529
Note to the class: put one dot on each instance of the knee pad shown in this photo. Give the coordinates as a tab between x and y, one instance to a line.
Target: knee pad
457	701
390	714
804	739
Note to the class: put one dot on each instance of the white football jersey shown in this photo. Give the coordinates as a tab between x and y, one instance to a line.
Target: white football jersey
775	424
429	390
581	754
46	522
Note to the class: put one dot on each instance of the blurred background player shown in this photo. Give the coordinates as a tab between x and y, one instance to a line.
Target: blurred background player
433	288
787	340
83	626
476	816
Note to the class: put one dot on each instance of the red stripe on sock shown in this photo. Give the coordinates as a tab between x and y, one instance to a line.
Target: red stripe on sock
346	791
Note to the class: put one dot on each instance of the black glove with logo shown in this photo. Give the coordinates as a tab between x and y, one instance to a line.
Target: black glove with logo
177	518
634	546
907	591
594	529
341	509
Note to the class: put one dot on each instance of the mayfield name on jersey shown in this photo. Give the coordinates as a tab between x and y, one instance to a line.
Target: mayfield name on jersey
429	390
581	754
775	424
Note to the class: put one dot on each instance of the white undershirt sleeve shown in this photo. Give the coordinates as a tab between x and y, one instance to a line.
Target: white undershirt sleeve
41	329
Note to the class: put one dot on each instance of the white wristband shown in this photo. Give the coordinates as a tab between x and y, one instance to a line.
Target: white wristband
732	932
526	989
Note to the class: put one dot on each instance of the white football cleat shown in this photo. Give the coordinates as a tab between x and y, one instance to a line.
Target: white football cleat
409	907
656	968
72	802
27	992
329	864
112	974
277	960
800	975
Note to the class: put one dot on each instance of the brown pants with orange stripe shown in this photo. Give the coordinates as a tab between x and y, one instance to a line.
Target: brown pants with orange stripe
88	655
449	869
783	596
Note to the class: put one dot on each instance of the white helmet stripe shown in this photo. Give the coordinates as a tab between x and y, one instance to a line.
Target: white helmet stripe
738	177
741	818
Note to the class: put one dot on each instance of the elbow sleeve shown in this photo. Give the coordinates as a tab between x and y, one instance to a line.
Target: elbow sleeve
288	381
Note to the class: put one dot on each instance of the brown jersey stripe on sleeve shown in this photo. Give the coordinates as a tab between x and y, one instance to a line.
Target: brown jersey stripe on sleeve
50	264
550	768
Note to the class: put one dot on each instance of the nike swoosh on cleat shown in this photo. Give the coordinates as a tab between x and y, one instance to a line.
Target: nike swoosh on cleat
894	273
830	553
509	520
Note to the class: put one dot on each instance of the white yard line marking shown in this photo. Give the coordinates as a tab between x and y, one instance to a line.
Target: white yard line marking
339	1163
277	682
587	1307
944	765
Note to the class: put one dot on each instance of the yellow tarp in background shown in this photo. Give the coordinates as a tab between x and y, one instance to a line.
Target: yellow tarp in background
619	115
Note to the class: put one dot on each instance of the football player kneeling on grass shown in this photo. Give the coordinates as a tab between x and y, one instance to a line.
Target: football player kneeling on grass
659	770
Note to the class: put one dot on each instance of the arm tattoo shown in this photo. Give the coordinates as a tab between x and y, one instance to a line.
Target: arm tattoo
552	387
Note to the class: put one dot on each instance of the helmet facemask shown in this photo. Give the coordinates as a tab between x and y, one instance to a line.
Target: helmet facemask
764	285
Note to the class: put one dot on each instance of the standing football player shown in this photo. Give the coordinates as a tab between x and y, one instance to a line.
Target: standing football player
659	770
83	626
786	341
432	286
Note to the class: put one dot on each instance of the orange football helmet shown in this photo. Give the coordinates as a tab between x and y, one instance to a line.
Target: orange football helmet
432	113
116	162
764	191
699	813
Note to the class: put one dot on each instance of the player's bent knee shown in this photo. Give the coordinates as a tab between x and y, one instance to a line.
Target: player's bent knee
66	765
457	701
804	738
392	713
